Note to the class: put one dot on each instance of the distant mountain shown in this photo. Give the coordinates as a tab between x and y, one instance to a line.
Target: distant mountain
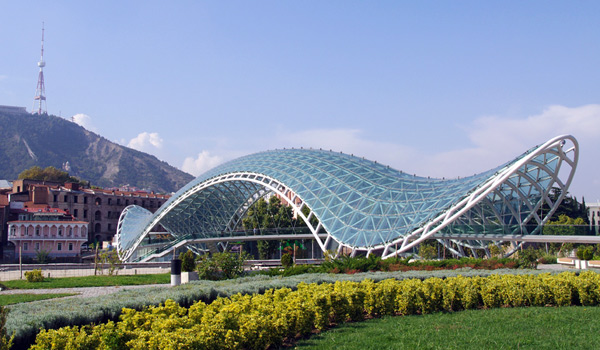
45	140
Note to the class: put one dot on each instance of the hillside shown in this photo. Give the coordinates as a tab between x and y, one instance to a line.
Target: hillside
43	140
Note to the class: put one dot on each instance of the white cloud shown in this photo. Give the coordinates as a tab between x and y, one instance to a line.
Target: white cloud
203	162
146	142
349	141
495	140
85	121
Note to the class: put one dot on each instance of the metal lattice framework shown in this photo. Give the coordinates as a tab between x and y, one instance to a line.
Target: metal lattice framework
362	205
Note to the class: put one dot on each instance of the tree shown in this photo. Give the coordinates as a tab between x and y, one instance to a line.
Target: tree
271	215
48	174
188	261
569	206
565	225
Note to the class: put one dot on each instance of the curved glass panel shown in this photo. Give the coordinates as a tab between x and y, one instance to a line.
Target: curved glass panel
360	203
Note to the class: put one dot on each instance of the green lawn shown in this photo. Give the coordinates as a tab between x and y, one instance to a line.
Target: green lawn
9	299
506	328
90	281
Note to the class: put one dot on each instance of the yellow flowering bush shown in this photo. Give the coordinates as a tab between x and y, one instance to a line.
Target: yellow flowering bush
260	321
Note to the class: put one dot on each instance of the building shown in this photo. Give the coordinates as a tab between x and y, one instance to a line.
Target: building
12	110
99	209
356	206
47	230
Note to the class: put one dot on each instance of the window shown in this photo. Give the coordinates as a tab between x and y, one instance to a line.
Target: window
25	246
135	201
75	213
66	198
98	215
85	213
37	246
97	227
37	231
109	215
60	233
118	201
13	231
55	198
84	200
70	232
70	246
127	202
58	246
143	203
109	201
98	201
75	199
109	227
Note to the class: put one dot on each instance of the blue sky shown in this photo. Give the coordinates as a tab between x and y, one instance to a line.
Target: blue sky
436	88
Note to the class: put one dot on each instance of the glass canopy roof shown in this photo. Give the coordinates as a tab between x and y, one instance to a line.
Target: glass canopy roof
359	203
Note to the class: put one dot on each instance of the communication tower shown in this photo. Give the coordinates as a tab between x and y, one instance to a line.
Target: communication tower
40	92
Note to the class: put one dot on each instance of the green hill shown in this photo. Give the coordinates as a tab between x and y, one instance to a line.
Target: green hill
46	140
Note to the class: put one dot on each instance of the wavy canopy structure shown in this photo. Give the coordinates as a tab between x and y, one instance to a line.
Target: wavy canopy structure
359	205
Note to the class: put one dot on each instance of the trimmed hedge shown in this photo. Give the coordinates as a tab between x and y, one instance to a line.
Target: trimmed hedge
259	321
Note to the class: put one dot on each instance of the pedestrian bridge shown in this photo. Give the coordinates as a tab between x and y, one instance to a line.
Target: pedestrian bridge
355	205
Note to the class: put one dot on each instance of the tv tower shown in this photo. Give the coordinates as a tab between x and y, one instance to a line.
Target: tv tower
40	92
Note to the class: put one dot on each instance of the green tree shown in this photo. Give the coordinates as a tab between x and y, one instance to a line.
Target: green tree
48	174
188	261
271	215
566	226
427	251
569	206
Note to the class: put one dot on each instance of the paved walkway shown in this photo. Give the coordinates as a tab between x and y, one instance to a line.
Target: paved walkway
84	292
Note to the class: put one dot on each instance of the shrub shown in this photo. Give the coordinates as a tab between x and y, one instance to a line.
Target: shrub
585	252
34	276
221	266
548	259
347	263
529	257
5	341
188	261
28	318
42	256
287	260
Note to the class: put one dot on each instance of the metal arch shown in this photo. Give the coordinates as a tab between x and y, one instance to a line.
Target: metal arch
543	193
561	156
484	190
267	182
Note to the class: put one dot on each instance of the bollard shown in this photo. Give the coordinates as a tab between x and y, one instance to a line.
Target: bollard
175	272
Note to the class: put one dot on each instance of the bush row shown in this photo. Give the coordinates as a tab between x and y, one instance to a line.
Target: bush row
26	319
259	321
347	264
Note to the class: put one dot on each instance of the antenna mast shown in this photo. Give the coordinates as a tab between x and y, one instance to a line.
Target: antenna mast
40	92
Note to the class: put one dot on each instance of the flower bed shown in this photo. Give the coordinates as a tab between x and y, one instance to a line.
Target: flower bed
257	321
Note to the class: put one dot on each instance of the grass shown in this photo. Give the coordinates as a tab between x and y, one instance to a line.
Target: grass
506	328
90	281
10	299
